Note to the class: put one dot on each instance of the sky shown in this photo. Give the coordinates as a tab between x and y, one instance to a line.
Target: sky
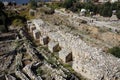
17	1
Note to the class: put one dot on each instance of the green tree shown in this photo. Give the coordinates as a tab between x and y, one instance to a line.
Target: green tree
115	51
1	5
69	3
3	21
33	4
118	14
18	22
106	10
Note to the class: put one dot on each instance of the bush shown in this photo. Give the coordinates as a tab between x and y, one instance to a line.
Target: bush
115	51
2	28
39	71
18	22
118	14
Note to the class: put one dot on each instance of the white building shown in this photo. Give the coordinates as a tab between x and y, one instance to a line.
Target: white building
112	1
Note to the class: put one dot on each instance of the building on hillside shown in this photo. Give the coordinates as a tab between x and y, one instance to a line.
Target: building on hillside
112	1
103	1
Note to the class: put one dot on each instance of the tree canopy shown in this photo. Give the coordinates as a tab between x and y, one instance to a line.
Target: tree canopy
32	4
1	5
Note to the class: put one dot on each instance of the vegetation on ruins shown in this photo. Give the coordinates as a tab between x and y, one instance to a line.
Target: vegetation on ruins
1	5
115	51
102	9
15	18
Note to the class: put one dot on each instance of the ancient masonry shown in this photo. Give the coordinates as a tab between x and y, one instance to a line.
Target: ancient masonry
89	61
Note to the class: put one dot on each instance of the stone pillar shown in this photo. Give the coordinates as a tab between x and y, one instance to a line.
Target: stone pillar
32	28
36	34
53	46
65	55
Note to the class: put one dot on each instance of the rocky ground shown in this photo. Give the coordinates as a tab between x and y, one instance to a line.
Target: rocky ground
23	59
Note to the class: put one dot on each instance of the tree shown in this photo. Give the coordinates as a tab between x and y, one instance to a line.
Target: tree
69	3
118	14
115	51
33	4
3	22
1	5
106	10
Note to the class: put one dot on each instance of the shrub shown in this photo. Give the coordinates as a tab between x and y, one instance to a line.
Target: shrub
39	71
2	28
118	14
18	22
115	51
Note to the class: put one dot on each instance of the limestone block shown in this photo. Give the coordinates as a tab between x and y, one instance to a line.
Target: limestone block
9	77
29	23
38	78
53	46
44	40
38	23
32	28
29	72
36	34
65	55
21	75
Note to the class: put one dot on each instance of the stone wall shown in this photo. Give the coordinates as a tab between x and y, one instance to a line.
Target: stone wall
87	60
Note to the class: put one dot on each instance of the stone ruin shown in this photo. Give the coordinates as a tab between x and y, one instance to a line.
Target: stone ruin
89	61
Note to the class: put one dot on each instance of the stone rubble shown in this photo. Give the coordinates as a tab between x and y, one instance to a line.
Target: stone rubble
9	77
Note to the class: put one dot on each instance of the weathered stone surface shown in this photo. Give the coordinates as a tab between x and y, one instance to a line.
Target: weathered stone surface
38	78
29	72
53	73
32	52
32	28
9	77
53	46
38	23
21	75
65	55
19	59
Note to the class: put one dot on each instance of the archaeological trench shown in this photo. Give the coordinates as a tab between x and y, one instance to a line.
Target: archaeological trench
53	50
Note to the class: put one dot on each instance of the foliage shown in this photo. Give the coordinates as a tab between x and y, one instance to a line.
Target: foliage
55	5
115	51
33	4
102	9
15	18
1	5
3	21
106	10
18	22
118	14
69	3
2	28
39	71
